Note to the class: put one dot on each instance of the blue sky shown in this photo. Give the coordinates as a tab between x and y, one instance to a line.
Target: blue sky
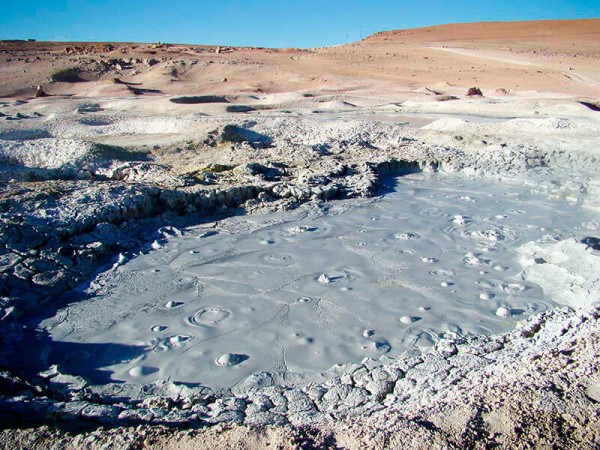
267	23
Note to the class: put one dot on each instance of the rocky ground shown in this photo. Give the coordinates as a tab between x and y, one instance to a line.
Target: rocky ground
88	181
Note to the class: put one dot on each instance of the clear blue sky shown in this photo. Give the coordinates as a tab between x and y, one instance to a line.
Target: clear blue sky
267	23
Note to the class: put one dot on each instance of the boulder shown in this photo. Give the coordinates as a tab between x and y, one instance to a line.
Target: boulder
474	91
39	92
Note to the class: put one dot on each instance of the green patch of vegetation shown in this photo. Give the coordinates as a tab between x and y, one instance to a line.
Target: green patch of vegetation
216	168
66	75
209	174
191	145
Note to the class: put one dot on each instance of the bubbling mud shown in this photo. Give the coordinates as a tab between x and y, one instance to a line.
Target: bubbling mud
301	291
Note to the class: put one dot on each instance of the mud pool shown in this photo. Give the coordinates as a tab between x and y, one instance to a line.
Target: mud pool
297	292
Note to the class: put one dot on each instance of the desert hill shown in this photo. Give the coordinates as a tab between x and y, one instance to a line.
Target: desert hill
558	31
547	58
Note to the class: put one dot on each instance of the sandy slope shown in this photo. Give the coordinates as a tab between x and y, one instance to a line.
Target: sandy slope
557	57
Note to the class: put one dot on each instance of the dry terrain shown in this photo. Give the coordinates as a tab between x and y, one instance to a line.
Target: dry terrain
109	149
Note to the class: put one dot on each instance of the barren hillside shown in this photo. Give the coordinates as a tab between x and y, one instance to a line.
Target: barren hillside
523	58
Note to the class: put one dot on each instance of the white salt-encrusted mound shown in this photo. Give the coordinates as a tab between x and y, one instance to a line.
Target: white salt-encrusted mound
101	126
568	271
446	124
47	153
